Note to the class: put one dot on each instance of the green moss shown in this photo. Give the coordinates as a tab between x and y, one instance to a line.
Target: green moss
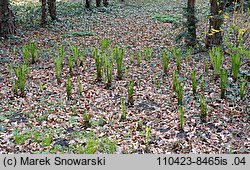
166	18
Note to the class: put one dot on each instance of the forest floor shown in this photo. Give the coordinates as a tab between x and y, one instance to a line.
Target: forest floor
45	121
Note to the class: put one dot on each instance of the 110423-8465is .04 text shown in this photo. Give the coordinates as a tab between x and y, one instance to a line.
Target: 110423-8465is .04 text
209	160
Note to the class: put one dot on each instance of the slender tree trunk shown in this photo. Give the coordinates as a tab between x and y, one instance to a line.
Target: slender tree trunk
44	15
98	3
7	26
52	9
88	2
214	36
105	3
191	23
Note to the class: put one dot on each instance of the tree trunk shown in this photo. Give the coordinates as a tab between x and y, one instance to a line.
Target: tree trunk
98	3
52	9
214	36
191	20
44	15
88	2
105	3
7	26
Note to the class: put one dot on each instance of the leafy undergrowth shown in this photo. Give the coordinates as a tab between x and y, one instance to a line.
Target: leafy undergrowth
101	120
